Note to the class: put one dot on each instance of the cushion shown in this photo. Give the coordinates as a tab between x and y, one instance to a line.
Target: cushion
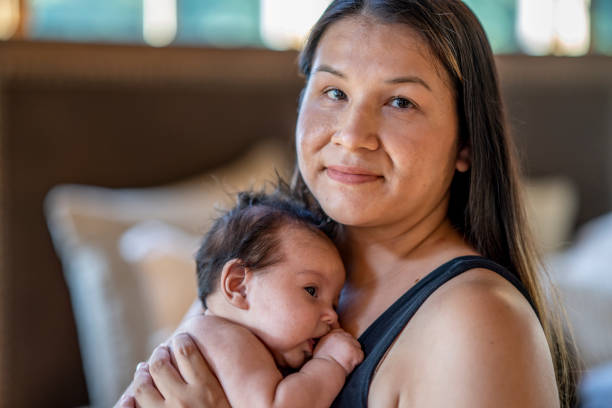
552	205
582	274
119	293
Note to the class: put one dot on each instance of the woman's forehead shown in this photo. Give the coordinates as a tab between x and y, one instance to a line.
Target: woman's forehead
366	44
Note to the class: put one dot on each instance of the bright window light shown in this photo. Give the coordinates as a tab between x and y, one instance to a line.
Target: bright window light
9	18
573	27
560	27
159	22
285	23
535	26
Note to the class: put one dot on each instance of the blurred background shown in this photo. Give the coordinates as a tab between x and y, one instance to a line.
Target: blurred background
125	123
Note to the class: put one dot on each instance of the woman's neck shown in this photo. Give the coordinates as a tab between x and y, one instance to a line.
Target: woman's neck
372	253
380	268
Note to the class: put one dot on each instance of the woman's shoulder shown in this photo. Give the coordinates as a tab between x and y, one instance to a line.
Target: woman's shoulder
480	293
480	336
479	304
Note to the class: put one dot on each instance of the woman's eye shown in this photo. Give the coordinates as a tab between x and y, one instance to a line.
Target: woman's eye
336	94
401	103
312	291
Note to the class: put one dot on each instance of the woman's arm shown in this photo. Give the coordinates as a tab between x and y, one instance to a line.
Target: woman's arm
249	375
477	343
187	382
193	384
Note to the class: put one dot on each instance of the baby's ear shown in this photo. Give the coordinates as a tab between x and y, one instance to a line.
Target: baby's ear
233	283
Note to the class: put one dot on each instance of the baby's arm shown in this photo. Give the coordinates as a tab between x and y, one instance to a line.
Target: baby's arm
249	376
320	380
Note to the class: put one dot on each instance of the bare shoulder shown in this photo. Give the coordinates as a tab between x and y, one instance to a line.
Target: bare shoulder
210	325
215	334
475	342
243	365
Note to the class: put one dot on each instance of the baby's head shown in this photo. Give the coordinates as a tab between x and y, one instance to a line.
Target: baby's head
270	265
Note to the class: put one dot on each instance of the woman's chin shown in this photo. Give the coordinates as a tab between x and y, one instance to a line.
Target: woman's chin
349	216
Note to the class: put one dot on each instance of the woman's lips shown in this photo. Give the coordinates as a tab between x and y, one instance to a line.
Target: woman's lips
351	175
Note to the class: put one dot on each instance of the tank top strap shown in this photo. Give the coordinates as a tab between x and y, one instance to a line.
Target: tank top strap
379	336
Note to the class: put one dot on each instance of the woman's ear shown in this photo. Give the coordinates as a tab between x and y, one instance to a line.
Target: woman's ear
233	283
464	159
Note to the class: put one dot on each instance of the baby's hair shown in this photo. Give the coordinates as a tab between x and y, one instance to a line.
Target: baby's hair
249	232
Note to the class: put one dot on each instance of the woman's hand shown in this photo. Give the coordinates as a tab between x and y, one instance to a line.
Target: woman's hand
188	382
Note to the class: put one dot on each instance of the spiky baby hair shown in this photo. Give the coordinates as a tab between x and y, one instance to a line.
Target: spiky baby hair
249	232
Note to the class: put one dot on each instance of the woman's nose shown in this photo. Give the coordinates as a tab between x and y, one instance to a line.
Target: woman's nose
357	128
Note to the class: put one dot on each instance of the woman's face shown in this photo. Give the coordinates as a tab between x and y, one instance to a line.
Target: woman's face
377	130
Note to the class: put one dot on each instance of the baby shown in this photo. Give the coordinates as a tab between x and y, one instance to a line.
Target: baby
269	277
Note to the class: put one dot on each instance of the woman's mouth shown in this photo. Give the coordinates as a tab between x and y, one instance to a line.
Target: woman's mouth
351	175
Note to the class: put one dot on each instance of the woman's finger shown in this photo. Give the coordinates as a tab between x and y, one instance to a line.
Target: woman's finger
165	376
196	372
126	401
190	362
143	388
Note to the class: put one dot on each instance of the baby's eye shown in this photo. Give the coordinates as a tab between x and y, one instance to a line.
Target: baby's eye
402	103
312	291
335	94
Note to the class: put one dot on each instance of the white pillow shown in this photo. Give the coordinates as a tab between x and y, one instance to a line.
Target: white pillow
162	256
583	274
111	299
552	204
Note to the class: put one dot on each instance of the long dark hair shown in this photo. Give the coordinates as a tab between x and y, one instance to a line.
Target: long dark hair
485	202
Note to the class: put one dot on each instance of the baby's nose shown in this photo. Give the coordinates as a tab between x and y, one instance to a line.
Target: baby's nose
330	317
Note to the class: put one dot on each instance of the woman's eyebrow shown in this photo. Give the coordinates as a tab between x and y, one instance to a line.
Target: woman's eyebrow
328	69
408	79
399	80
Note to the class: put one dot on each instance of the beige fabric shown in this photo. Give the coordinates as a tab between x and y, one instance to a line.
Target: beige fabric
583	274
121	300
552	205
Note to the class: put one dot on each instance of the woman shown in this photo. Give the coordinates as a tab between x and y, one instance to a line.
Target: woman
401	139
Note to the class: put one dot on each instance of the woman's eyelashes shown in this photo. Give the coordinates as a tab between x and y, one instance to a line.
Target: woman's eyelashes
335	94
401	103
398	102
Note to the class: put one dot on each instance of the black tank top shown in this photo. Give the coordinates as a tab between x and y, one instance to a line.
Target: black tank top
380	335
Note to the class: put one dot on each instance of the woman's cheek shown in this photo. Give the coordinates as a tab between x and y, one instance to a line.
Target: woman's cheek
313	133
315	122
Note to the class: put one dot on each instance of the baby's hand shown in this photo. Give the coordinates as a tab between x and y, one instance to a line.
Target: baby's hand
341	347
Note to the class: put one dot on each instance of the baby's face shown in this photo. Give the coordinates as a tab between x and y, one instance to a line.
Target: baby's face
292	303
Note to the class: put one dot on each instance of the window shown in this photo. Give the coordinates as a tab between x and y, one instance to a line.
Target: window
224	23
85	20
542	27
498	19
601	14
